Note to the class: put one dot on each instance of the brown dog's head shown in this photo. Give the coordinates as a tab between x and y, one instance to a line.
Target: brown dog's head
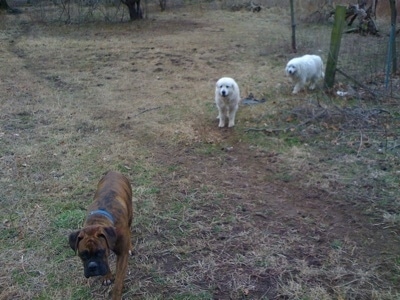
93	244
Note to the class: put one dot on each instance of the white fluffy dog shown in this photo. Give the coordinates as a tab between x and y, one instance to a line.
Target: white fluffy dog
227	98
307	69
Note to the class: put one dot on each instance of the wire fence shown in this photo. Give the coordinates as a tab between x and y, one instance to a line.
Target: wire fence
363	59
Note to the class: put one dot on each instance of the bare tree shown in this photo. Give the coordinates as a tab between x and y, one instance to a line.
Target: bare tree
294	48
4	5
135	11
163	4
392	43
373	7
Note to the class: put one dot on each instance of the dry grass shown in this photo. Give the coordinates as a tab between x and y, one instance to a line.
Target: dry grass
310	212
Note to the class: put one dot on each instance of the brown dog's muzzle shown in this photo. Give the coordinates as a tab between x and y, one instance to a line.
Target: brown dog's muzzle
96	268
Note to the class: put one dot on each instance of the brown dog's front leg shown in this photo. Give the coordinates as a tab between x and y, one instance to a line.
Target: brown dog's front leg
121	268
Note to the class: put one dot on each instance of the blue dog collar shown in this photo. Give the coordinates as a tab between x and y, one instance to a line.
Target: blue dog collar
103	213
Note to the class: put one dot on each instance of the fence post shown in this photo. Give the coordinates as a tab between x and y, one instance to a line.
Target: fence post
336	37
294	48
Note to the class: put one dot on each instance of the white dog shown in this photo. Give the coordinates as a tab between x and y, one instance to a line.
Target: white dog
305	69
227	98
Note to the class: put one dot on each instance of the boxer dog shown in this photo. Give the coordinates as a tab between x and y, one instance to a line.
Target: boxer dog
107	227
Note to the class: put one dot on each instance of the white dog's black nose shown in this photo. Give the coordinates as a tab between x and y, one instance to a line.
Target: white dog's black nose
223	93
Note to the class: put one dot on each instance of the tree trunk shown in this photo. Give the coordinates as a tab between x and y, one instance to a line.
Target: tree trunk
374	5
4	5
336	38
135	11
393	35
163	4
294	47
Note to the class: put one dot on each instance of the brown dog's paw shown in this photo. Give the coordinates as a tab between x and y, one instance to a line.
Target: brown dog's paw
130	252
107	279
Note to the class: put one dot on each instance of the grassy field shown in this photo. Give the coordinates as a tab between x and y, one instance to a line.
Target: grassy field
300	200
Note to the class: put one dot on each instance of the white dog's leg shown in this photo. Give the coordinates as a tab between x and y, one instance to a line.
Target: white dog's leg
312	83
232	114
221	117
297	88
221	122
299	85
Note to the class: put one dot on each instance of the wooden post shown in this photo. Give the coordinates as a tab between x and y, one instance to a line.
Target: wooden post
293	27
336	37
391	61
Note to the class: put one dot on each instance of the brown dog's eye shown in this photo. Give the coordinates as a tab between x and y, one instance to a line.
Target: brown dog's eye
100	253
84	255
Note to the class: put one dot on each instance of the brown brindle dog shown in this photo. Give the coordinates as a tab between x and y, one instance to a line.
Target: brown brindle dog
107	227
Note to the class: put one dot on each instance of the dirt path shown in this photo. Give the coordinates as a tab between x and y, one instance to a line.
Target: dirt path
303	230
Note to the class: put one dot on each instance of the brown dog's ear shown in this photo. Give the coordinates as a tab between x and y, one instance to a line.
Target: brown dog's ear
110	235
74	240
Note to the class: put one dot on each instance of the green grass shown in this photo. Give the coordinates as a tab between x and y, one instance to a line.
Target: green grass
337	244
285	211
69	219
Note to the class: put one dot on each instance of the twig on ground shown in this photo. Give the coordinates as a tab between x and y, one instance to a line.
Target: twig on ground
394	147
146	110
361	142
261	215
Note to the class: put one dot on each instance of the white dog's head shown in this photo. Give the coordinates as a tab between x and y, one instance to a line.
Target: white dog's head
290	70
225	86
